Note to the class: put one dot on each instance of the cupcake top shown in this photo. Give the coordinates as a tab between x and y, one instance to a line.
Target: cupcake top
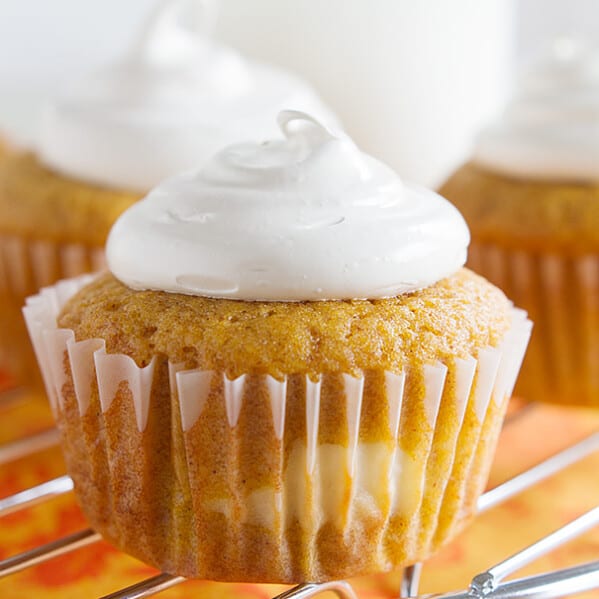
303	217
168	105
550	129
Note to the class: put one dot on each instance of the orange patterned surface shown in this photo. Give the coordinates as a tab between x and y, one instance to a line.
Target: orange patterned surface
531	434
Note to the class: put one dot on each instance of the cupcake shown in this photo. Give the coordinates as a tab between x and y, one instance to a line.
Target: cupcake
170	103
286	375
530	196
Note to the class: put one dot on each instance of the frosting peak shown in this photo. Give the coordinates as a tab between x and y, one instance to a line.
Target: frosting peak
304	217
550	129
173	100
173	30
310	161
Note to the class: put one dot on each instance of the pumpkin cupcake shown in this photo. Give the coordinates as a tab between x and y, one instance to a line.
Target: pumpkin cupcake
287	375
173	100
530	196
3	148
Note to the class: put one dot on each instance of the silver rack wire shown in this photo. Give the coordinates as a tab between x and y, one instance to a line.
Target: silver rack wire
485	585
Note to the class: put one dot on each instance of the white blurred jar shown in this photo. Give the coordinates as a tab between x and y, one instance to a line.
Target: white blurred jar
412	80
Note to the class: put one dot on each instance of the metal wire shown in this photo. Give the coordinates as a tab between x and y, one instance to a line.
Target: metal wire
43	553
554	464
486	585
12	395
342	589
147	588
410	581
34	495
24	447
560	583
490	579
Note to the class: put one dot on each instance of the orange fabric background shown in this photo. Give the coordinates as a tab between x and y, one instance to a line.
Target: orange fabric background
531	434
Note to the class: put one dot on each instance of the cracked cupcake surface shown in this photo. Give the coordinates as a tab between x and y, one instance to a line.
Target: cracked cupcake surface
450	319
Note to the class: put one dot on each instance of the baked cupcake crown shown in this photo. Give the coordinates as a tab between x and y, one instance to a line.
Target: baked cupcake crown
303	217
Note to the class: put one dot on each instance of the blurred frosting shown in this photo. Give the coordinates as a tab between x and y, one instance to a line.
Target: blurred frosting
304	217
550	129
168	105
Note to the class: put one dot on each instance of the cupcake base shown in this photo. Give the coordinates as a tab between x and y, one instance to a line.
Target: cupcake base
561	294
266	480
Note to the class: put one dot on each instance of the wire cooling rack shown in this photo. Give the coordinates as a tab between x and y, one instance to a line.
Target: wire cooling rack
489	584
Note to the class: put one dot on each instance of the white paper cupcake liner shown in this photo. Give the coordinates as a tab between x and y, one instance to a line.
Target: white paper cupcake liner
300	487
561	294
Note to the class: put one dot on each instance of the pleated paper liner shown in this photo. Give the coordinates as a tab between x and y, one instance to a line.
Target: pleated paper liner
258	479
27	265
561	295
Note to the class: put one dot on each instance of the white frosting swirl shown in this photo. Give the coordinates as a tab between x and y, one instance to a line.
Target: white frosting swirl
550	130
170	104
308	217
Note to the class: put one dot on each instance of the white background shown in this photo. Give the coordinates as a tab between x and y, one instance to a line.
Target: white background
422	123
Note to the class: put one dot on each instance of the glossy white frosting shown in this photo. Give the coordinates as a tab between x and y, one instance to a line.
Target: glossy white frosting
307	217
550	130
174	100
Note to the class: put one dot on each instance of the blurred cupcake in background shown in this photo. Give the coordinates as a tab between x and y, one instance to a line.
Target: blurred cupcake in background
6	145
530	196
3	147
166	106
